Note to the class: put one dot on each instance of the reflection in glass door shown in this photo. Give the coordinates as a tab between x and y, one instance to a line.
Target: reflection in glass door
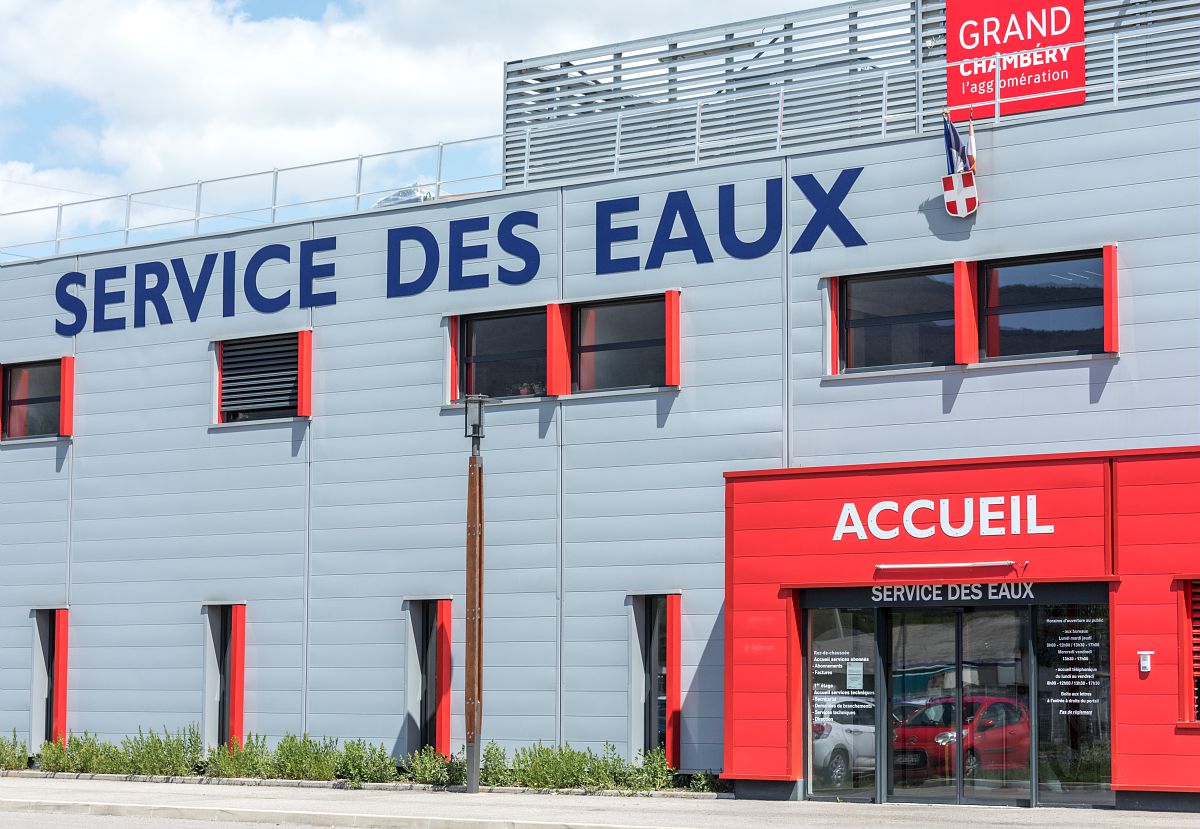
923	705
842	682
959	705
997	732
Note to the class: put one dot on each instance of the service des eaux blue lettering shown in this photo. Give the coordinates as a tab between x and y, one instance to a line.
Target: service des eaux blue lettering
101	297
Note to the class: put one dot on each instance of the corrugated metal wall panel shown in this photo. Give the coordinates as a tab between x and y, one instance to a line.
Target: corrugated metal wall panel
590	499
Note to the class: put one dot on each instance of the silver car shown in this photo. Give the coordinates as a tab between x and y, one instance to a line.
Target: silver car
843	738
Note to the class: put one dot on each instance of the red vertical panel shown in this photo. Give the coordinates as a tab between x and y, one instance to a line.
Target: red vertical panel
455	393
220	368
66	403
674	666
442	679
1112	328
558	349
1110	516
58	706
795	702
966	313
672	329
835	325
1	399
304	379
237	673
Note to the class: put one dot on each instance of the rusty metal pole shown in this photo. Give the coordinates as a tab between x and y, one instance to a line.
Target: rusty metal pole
474	667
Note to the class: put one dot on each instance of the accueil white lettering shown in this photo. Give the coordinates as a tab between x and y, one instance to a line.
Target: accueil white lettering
993	514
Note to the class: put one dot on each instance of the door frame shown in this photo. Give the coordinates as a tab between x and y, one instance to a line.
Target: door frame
881	664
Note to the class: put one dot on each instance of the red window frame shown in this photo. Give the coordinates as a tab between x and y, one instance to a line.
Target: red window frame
835	324
442	680
966	313
66	394
452	357
237	674
674	665
967	288
1112	324
558	349
559	356
1189	650
58	706
304	372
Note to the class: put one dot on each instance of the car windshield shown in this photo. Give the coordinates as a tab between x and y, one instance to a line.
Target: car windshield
941	713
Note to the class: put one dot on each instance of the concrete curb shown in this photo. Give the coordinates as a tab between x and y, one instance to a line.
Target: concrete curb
323	819
342	784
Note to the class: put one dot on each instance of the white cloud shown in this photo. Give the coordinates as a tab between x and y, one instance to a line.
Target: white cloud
188	89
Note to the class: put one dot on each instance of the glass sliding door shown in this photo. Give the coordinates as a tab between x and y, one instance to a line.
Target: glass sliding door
959	697
842	682
923	705
997	731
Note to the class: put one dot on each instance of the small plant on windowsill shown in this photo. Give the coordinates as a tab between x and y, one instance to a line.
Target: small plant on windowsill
527	389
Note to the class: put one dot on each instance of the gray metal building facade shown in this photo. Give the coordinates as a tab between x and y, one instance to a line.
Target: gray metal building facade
325	526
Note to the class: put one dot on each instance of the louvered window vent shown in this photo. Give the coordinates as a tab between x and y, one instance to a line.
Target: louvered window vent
1194	611
259	378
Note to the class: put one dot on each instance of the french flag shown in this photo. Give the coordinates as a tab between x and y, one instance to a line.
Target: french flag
960	156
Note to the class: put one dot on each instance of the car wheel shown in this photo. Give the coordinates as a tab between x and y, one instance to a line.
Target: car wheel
838	769
970	764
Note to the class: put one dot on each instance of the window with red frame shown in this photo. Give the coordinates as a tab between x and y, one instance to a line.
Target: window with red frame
32	395
619	344
503	354
1192	657
896	320
1042	305
265	377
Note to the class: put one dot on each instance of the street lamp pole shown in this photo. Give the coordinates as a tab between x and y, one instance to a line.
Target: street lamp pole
474	668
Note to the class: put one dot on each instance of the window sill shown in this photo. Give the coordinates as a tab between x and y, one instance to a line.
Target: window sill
35	441
1187	726
266	421
639	392
516	400
1015	362
566	398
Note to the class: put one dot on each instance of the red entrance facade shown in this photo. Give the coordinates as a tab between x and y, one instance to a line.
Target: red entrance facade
1124	524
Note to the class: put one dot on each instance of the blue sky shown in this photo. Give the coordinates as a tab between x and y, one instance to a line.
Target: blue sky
109	96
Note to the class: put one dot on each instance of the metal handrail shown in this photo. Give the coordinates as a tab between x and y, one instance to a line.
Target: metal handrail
899	86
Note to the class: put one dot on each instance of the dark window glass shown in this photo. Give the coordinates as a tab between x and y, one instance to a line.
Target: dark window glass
619	345
1053	306
1074	730
427	665
905	320
654	659
504	355
224	656
31	399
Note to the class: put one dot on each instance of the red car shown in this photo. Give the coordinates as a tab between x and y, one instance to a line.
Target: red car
995	733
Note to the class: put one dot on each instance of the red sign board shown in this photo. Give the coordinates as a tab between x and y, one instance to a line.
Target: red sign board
1034	42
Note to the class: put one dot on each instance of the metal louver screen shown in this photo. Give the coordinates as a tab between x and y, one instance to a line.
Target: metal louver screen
259	377
1195	616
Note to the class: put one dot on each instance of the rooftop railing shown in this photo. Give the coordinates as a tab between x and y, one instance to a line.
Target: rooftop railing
838	107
